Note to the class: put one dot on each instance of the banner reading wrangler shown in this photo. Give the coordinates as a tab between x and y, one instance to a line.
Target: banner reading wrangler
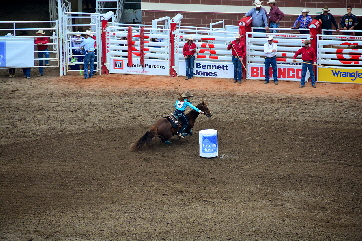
340	75
16	53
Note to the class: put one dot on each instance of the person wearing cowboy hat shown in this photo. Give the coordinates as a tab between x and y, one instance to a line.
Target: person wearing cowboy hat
270	50
78	54
238	54
327	20
308	57
275	15
180	107
43	52
189	51
11	70
303	21
88	46
259	17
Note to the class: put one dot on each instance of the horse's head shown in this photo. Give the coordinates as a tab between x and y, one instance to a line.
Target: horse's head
203	107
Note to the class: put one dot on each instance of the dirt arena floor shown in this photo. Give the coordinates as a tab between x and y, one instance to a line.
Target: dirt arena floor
289	165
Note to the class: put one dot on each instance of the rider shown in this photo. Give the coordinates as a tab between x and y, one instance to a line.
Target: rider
181	105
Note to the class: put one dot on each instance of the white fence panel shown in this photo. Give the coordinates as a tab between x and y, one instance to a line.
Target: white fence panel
287	44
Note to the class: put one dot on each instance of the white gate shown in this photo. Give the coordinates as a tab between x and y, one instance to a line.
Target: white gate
74	23
287	44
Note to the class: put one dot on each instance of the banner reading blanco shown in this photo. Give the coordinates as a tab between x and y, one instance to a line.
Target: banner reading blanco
209	69
345	75
152	67
16	53
285	72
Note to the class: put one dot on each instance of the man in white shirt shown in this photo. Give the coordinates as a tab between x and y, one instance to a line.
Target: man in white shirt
88	46
270	50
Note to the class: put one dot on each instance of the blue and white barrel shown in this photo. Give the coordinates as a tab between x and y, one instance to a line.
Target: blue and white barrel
208	141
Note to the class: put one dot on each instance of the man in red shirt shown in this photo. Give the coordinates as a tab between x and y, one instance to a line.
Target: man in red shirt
42	44
189	51
308	57
238	54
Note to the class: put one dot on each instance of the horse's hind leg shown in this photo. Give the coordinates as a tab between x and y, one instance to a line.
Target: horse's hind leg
164	140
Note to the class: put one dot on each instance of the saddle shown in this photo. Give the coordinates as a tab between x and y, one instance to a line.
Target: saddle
173	120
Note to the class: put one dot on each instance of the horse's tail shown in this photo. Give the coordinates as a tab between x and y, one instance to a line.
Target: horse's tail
146	138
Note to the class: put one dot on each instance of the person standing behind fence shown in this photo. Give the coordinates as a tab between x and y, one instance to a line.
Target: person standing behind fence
43	51
189	51
78	54
308	57
259	17
275	15
270	50
349	20
11	70
327	20
238	54
88	46
303	21
26	71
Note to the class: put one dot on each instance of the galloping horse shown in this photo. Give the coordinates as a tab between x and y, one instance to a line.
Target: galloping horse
165	130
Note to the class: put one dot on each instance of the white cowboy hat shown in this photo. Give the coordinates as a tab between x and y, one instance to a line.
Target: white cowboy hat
8	35
77	34
41	31
270	38
257	3
271	1
304	10
190	38
325	9
89	33
186	95
237	36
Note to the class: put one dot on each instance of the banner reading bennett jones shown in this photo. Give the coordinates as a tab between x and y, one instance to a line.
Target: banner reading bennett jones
353	75
16	53
209	69
151	67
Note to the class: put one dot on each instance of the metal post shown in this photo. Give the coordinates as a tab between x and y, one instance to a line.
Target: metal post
104	68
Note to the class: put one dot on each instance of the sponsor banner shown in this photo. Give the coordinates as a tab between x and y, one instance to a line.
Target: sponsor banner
152	67
16	53
209	69
285	72
340	75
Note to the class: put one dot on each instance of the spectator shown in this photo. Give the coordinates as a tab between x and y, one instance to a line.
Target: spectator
11	70
78	54
275	15
259	17
303	22
26	71
308	57
327	20
238	54
42	42
349	20
189	51
88	46
270	50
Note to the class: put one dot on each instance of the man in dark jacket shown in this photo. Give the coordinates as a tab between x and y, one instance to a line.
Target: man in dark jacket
349	20
327	19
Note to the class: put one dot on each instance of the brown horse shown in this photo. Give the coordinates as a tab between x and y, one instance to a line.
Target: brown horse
165	130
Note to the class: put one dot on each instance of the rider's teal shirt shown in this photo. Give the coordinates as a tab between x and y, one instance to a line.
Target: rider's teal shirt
182	105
